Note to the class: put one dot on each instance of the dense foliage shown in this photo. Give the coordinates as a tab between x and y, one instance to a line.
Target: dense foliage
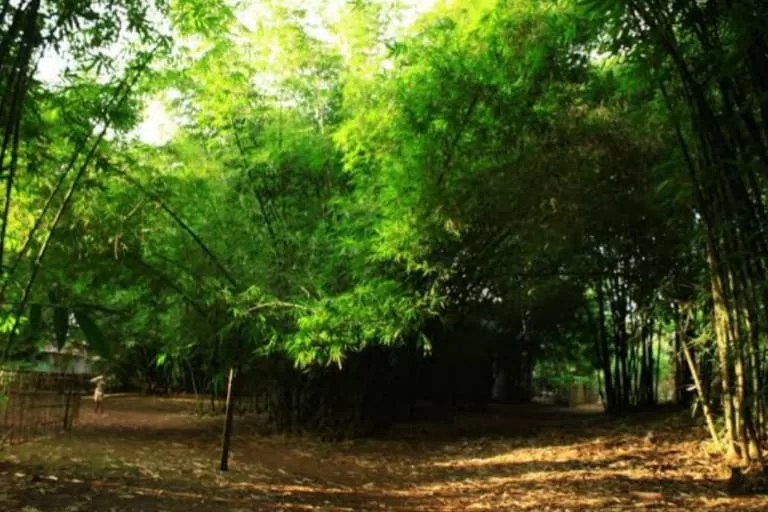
361	203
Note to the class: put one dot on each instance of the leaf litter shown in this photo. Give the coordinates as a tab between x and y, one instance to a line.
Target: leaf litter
148	454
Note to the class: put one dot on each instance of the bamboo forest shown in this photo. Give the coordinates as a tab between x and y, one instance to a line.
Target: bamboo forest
406	255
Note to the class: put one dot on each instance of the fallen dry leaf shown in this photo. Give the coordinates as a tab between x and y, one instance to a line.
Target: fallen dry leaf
648	496
155	456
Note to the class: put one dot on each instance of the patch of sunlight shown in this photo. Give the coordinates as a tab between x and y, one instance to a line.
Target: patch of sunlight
521	456
158	126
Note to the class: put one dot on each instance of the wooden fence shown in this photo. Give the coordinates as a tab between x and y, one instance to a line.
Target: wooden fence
35	405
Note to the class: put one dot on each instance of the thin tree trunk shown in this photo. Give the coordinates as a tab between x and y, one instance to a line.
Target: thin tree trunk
721	340
709	418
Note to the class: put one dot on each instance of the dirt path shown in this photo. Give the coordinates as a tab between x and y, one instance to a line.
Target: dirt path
148	454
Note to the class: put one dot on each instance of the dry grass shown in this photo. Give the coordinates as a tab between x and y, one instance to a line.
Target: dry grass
149	454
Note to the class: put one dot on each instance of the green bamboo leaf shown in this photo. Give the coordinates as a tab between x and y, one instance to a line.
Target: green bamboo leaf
664	184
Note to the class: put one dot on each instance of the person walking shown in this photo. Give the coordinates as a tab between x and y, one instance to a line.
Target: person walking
98	393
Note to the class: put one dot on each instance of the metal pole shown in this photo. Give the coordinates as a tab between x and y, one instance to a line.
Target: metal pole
227	425
68	395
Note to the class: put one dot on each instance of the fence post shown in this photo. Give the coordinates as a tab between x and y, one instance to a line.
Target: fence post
68	394
227	434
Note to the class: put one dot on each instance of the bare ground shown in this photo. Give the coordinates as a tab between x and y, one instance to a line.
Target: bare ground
150	454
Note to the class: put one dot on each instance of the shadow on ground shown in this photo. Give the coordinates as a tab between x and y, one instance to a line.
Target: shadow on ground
149	454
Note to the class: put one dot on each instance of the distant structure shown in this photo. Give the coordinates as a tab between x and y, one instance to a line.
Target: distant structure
41	395
70	359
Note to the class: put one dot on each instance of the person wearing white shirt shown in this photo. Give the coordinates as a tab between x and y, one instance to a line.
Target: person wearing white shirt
98	393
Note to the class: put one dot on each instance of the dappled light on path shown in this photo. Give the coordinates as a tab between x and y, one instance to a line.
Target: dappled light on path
150	454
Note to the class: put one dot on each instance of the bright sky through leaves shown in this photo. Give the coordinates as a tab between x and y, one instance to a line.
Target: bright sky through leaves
158	125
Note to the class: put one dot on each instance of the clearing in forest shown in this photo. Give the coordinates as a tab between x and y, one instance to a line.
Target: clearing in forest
150	454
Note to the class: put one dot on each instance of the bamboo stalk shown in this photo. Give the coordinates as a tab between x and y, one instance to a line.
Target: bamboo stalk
182	224
57	218
80	146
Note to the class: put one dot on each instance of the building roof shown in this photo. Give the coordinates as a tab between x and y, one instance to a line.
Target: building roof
67	350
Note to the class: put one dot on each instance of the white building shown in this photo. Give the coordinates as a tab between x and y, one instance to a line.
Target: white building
69	359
